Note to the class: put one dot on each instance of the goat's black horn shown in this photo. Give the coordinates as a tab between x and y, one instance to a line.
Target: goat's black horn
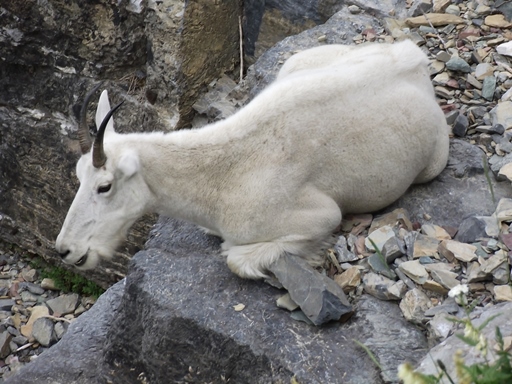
98	154
84	136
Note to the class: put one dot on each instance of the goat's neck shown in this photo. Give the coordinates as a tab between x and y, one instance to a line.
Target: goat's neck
186	171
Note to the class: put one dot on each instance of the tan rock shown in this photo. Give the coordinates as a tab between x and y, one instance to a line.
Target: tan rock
48	283
286	302
452	249
414	304
415	271
436	19
434	286
503	293
349	280
37	312
506	171
498	21
398	216
446	279
440	5
425	246
379	237
435	231
493	262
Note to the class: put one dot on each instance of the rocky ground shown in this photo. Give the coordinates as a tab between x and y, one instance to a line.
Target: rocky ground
34	314
470	44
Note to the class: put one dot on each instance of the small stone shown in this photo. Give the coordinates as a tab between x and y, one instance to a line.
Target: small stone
349	280
436	19
36	313
63	304
426	260
48	283
483	70
414	304
489	86
441	325
27	296
434	286
501	275
448	306
475	273
473	81
503	212
435	231
443	56
505	49
354	9
392	249
471	230
378	286
378	265
503	293
415	271
43	331
493	262
399	216
379	237
441	78
497	21
446	279
60	329
319	297
344	255
502	114
436	67
505	172
425	246
460	127
398	290
29	275
440	5
452	250
403	277
5	339
6	304
458	64
286	302
32	288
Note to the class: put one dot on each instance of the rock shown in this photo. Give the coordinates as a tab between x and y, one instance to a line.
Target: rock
503	293
493	262
48	283
319	297
436	19
354	9
501	275
441	325
475	273
434	286
5	339
344	255
505	172
483	70
489	86
448	306
378	286
398	290
446	279
349	280
497	21
444	351
460	127
425	246
36	313
6	304
435	231
392	249
379	237
452	250
398	216
379	266
505	49
458	64
42	331
414	305
471	229
415	271
502	114
286	302
63	304
440	5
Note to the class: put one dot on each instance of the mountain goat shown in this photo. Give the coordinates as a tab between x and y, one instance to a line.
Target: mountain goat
343	129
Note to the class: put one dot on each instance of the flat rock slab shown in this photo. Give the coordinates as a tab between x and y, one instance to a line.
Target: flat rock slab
173	320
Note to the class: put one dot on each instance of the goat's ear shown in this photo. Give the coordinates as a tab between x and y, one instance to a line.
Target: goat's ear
102	110
129	164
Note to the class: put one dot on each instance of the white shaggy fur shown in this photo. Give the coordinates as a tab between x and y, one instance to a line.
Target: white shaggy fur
342	129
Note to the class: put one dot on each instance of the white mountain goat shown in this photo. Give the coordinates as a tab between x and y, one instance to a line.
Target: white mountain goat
342	129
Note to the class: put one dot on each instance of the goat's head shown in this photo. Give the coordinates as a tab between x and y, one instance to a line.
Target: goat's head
110	197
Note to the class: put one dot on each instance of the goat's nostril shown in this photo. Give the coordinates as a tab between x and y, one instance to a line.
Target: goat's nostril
64	254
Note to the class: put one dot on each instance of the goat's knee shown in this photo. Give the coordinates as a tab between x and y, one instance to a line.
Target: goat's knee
251	261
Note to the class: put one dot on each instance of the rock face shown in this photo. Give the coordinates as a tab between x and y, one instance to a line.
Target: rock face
52	53
175	321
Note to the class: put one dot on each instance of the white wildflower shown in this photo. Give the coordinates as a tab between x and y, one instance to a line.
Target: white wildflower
459	293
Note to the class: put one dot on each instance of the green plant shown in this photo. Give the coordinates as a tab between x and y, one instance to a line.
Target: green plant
71	282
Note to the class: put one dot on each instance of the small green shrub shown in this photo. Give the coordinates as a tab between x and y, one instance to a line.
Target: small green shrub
71	282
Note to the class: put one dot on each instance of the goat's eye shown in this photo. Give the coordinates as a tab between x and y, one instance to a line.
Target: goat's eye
104	188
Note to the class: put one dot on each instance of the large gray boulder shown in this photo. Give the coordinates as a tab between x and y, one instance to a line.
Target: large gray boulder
173	319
